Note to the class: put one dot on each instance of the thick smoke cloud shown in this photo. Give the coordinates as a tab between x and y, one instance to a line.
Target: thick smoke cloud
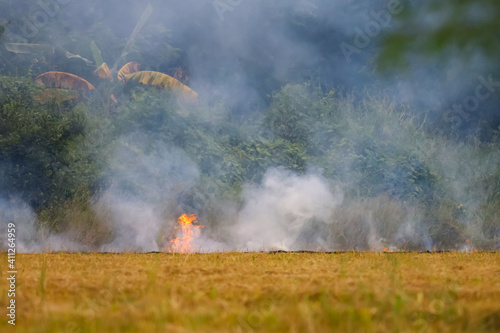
284	212
143	190
15	211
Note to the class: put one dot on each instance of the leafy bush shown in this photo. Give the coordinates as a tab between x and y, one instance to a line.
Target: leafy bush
40	152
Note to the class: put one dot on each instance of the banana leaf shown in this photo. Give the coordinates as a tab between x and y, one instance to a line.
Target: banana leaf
64	80
76	56
28	47
103	72
163	81
129	68
96	54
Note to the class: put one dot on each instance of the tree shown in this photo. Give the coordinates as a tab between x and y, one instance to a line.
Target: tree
433	27
40	152
442	34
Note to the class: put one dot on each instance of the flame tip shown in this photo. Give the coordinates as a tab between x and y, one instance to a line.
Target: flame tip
188	231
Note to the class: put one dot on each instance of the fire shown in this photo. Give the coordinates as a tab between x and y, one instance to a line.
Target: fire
468	247
188	231
386	249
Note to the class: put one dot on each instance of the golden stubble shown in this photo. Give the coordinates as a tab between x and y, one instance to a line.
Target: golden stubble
256	292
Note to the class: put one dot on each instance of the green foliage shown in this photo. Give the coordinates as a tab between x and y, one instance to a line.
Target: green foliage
220	151
288	114
367	145
259	156
465	26
96	54
59	156
377	152
39	151
77	219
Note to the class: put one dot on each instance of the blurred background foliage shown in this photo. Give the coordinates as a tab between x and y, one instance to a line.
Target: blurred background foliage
58	155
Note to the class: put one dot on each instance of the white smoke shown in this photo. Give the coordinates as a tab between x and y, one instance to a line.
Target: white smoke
277	211
146	183
15	211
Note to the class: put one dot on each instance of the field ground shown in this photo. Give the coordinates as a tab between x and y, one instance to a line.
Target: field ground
255	292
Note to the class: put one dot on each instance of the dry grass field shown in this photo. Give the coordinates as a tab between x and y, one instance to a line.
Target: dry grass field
255	292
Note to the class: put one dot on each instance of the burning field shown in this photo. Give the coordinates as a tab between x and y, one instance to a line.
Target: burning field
257	292
187	232
181	289
250	166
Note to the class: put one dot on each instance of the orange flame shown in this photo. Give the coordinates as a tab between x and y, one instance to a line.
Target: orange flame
188	231
386	249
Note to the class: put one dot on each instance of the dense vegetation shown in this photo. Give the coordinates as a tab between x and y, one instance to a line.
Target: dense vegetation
60	155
